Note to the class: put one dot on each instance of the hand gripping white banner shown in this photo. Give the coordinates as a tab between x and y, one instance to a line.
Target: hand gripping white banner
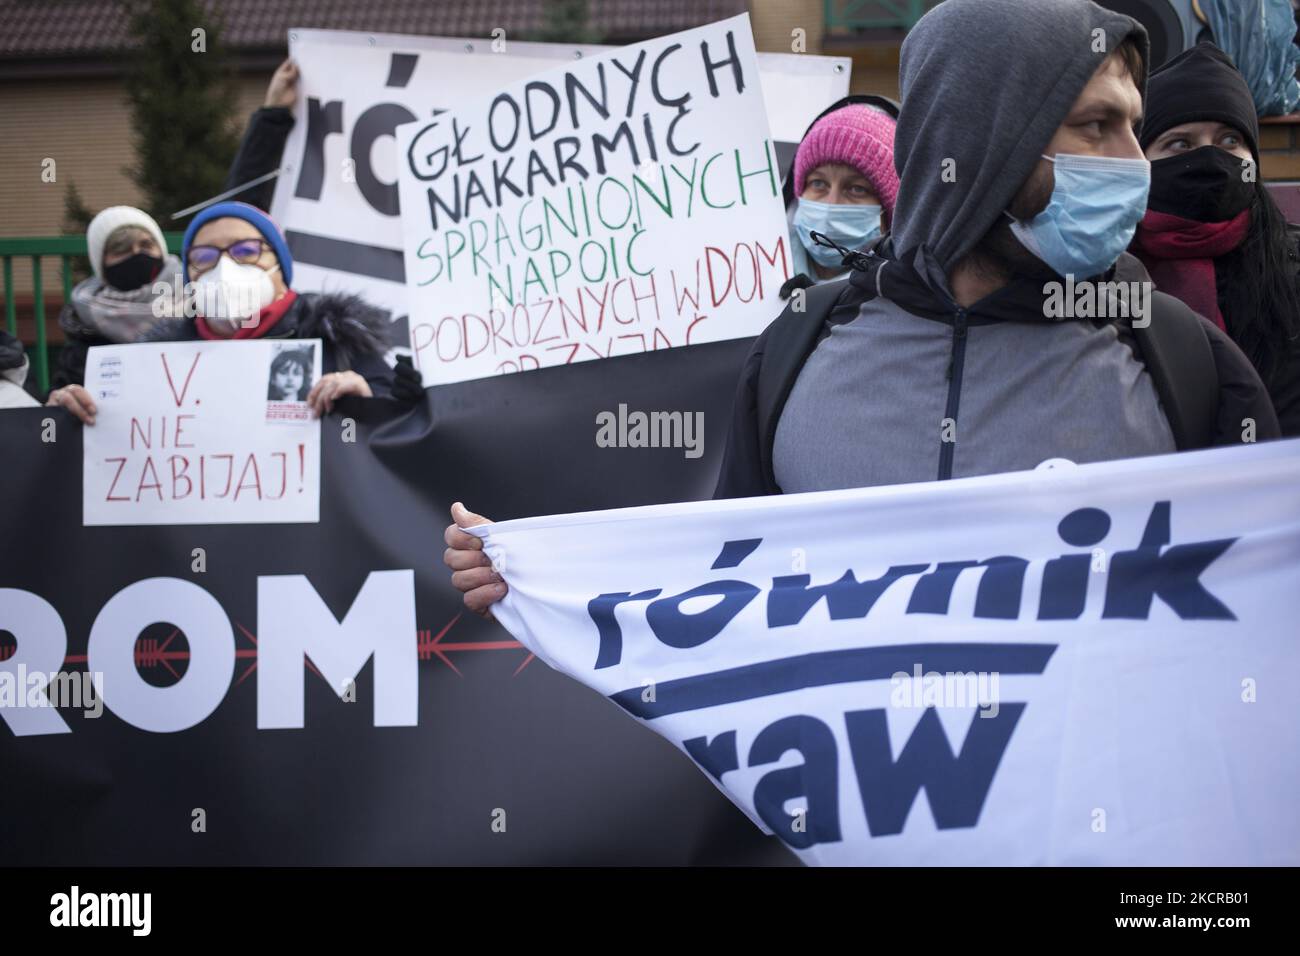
1088	665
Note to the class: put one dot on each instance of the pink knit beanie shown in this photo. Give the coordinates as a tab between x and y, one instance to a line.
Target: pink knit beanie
856	135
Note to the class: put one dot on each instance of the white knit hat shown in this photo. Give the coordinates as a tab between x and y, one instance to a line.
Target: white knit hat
112	219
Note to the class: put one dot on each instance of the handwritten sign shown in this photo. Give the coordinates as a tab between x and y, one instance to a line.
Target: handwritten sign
627	202
337	197
202	433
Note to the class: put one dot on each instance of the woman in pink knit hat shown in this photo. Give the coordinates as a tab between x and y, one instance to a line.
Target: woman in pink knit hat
845	183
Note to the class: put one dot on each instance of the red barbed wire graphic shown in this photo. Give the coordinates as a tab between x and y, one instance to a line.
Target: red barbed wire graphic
151	652
432	645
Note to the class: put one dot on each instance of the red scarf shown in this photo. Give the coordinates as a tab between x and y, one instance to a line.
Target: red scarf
266	320
1179	253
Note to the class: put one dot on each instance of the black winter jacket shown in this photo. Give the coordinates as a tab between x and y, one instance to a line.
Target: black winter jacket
354	335
77	341
260	151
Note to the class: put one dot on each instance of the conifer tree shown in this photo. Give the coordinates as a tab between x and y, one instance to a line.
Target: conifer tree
182	92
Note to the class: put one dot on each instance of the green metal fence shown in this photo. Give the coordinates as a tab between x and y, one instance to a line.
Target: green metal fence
37	249
875	14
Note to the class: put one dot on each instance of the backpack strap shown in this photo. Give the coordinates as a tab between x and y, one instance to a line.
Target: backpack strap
1177	353
791	338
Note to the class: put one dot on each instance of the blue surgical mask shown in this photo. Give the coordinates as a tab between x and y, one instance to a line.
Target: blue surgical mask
852	225
1095	208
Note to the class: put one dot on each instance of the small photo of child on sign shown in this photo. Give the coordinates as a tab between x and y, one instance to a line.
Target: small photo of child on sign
289	381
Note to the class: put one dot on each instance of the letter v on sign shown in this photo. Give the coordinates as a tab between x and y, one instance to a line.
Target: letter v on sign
179	399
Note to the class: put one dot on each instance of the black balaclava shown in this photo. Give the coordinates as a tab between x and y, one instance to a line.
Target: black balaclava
1199	85
1206	184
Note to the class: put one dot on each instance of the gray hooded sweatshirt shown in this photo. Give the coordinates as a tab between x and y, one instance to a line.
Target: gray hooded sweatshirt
906	392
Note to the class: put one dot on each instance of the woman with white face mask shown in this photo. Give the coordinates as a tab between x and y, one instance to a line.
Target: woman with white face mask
843	185
238	276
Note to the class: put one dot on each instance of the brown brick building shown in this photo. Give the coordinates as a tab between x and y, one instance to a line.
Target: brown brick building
62	97
61	73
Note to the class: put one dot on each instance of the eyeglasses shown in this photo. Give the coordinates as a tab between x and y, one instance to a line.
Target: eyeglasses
244	251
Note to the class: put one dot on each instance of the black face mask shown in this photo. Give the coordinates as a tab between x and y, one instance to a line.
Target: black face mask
1204	185
133	271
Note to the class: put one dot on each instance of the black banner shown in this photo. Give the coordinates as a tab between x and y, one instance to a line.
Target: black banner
509	762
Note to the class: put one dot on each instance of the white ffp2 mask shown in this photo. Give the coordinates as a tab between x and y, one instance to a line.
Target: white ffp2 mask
233	291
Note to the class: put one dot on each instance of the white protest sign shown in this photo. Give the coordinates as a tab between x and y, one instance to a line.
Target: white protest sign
202	433
1091	665
624	203
337	199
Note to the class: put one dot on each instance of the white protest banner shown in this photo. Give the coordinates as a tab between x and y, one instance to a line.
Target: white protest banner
337	197
1088	665
202	433
624	203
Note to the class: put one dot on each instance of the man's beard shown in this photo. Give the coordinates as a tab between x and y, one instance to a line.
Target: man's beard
999	254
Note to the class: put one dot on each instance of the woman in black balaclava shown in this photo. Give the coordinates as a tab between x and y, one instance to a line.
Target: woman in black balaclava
1212	235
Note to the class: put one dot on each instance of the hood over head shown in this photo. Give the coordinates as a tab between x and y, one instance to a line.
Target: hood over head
985	84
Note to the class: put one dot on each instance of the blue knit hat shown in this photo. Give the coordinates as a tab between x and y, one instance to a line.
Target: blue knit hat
251	214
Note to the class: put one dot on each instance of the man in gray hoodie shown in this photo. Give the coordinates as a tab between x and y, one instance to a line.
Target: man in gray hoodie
952	349
956	347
